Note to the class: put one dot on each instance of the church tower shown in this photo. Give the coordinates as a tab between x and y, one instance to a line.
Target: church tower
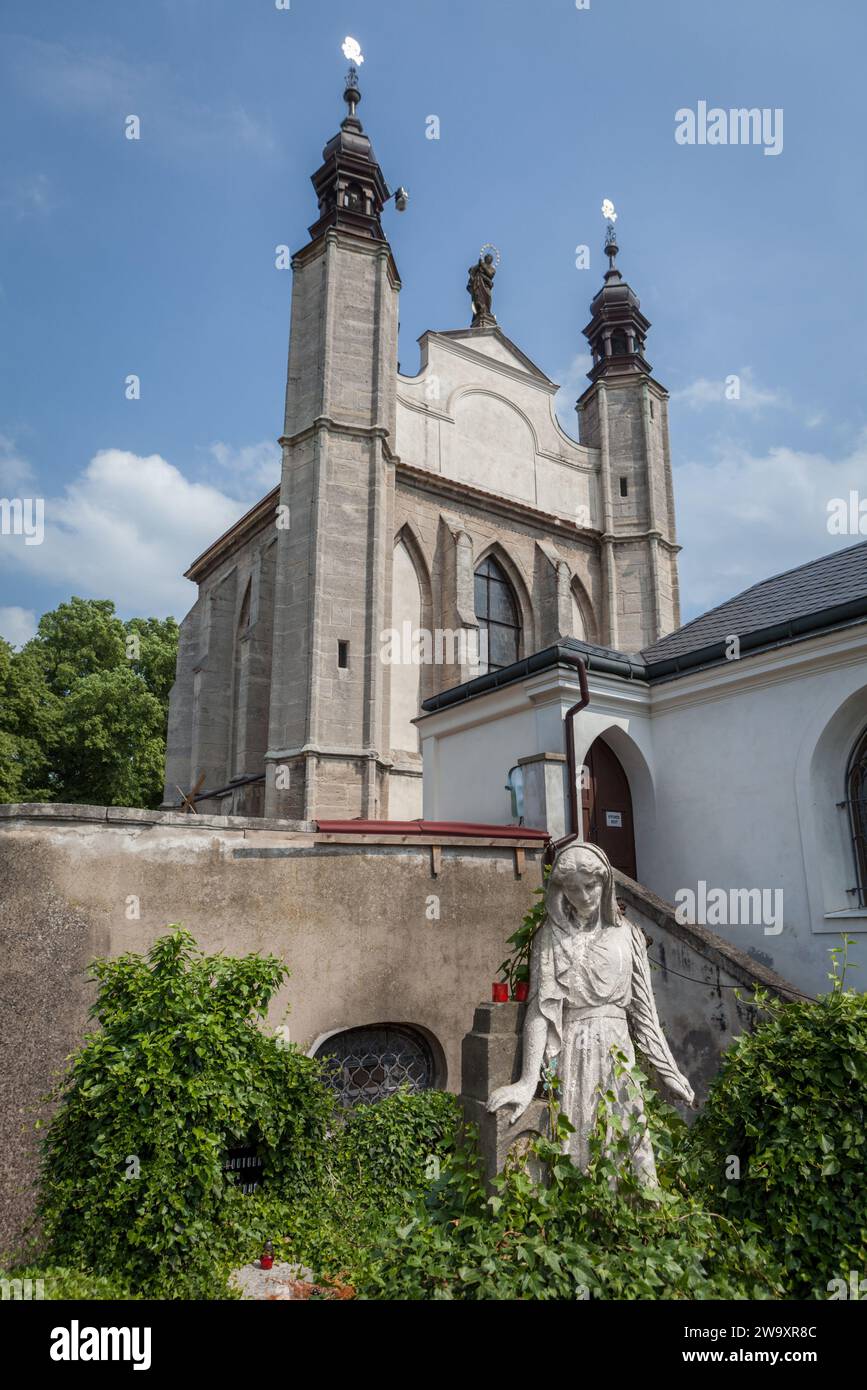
624	414
327	752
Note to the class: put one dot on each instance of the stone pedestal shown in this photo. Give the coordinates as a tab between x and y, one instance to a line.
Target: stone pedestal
491	1057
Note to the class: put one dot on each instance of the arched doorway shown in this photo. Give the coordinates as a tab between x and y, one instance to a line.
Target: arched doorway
364	1065
606	804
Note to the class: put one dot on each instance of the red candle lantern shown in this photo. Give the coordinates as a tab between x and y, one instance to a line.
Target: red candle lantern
267	1259
500	992
522	989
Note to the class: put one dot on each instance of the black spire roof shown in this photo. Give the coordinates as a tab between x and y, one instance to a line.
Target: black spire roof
349	183
618	329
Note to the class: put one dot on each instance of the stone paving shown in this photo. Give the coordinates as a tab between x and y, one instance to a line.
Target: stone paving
282	1281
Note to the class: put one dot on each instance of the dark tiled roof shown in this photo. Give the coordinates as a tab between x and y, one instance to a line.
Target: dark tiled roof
830	582
821	595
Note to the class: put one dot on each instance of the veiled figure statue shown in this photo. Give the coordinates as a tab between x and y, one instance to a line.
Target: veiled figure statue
480	287
590	993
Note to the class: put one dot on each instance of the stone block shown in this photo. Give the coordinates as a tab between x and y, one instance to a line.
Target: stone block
491	1057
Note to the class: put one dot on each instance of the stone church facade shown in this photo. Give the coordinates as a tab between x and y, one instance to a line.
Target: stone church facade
450	503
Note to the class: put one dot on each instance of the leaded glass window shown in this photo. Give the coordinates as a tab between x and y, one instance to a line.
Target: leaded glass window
497	614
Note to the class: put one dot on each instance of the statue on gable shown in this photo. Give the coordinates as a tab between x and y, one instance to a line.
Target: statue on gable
480	287
590	997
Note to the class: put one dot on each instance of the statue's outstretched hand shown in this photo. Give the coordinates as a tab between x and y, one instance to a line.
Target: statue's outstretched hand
681	1090
515	1098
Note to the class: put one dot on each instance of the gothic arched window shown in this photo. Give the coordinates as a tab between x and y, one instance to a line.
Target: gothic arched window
497	614
856	800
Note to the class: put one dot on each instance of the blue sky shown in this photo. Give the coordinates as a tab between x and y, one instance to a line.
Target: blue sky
156	257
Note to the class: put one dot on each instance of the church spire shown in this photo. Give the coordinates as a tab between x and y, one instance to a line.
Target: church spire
617	330
349	183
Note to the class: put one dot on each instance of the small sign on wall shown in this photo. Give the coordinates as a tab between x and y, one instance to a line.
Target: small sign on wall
614	819
245	1166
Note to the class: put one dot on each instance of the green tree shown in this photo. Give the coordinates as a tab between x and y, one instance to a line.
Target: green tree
79	638
111	742
158	643
29	716
84	706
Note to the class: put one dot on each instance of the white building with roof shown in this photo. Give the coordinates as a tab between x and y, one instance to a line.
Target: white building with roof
724	767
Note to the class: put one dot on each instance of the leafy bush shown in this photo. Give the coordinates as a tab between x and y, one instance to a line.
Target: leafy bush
515	969
790	1104
595	1235
397	1143
133	1184
60	1283
379	1158
388	1200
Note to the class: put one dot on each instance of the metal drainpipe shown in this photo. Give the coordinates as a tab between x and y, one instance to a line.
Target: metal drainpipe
571	770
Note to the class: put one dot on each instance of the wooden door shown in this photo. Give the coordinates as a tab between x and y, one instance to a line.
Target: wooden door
606	805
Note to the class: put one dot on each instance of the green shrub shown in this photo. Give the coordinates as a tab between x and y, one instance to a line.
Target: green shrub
790	1104
72	1284
388	1200
379	1160
595	1235
399	1143
133	1184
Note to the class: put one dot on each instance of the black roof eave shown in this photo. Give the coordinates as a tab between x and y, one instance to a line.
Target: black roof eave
611	663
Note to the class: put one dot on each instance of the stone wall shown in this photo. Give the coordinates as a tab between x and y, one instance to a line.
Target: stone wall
352	916
375	929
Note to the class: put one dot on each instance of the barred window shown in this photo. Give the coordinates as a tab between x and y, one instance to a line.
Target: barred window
856	801
364	1065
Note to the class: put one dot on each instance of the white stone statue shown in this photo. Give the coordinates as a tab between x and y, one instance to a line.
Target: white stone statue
590	992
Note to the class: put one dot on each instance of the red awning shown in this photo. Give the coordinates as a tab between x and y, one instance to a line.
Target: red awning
463	829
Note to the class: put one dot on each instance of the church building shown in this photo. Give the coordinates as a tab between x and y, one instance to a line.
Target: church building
427	529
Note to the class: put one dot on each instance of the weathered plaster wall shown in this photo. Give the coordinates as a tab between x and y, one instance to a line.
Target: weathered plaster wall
350	915
349	919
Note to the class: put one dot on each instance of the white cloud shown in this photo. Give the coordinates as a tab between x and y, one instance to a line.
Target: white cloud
743	517
126	528
574	384
15	472
252	466
17	625
751	398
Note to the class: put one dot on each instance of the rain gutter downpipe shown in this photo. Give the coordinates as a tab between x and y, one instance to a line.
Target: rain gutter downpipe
571	770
